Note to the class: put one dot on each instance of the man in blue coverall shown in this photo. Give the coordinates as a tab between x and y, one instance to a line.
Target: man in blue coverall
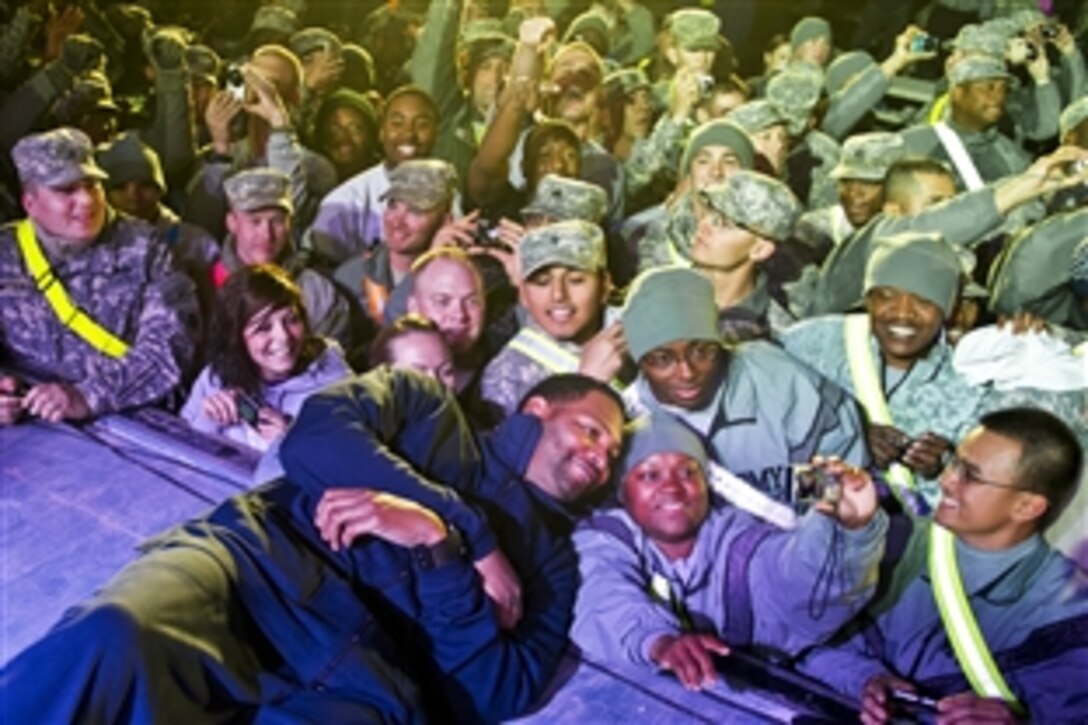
345	592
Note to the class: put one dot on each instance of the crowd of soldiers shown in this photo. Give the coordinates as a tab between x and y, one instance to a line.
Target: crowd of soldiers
430	260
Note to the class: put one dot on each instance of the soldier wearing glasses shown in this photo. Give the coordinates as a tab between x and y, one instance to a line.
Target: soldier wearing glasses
1009	479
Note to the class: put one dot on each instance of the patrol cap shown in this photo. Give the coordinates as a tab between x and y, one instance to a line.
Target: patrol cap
694	29
795	92
204	63
477	46
718	132
589	22
985	39
129	159
311	40
923	264
422	184
976	67
274	18
481	27
1074	115
867	156
626	81
666	304
573	243
809	28
55	158
657	432
89	92
260	188
756	116
755	201
563	198
843	69
1028	17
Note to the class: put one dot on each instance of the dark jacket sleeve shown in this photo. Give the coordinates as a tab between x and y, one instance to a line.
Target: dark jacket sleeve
392	431
490	674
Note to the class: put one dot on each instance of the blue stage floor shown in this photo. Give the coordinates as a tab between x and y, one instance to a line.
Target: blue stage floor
74	504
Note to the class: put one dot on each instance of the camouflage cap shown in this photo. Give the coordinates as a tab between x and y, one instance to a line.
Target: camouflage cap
976	67
694	29
259	188
422	184
794	93
763	205
985	39
129	159
867	156
755	116
573	243
1028	17
89	92
1074	115
809	28
482	27
562	198
274	18
55	158
204	63
311	40
843	69
626	81
590	21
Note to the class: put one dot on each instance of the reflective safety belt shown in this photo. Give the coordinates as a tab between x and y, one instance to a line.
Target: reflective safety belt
66	311
376	296
868	388
953	144
660	587
936	113
546	353
972	652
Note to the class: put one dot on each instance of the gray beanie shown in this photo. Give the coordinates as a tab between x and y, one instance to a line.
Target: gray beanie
923	264
657	432
807	29
128	159
719	132
667	304
844	68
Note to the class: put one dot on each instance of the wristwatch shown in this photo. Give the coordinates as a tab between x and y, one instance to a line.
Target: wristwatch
449	549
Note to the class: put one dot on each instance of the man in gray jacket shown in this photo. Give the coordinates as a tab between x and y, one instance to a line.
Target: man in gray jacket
670	579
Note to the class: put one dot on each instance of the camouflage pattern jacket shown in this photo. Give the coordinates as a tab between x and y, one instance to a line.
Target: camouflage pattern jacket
126	282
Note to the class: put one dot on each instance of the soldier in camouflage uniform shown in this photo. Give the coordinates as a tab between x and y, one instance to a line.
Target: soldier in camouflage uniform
768	130
662	234
794	93
860	176
563	287
127	346
745	218
912	282
259	224
417	204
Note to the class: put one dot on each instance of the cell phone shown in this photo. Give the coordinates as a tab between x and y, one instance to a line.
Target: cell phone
912	701
811	484
234	82
248	409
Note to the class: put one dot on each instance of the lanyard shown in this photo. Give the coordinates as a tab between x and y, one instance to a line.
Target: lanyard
66	311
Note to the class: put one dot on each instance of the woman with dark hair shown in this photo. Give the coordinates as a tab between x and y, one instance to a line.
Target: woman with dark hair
263	361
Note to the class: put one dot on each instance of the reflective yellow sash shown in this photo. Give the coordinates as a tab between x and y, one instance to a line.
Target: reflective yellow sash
868	388
548	354
936	113
972	652
66	311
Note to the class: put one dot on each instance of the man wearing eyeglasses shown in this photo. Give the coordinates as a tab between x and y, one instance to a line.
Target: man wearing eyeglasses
757	409
1008	480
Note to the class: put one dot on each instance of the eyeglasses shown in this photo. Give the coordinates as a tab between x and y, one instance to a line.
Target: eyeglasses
696	354
966	472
